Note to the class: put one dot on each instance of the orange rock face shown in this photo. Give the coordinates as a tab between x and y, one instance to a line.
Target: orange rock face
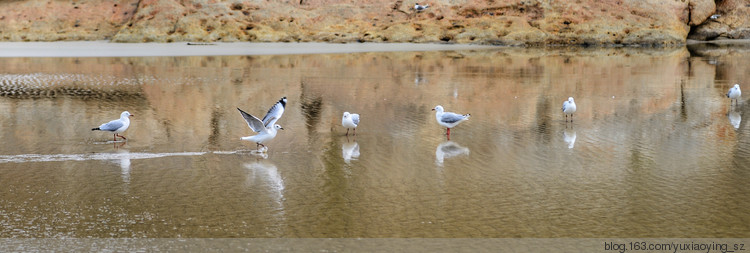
505	22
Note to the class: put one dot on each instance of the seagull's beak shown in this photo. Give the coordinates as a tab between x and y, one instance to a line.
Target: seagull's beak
433	109
281	128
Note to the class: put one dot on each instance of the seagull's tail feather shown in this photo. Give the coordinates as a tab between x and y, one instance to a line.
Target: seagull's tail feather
94	129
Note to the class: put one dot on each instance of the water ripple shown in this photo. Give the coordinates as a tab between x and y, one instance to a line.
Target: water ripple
25	158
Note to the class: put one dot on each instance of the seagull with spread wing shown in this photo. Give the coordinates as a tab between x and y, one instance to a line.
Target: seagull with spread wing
267	127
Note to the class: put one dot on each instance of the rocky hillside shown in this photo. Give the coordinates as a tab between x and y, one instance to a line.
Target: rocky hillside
504	22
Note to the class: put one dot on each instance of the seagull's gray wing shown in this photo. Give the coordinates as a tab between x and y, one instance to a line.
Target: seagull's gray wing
253	122
112	125
275	112
450	117
355	118
565	104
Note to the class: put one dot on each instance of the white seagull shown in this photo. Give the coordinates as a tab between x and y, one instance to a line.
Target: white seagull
569	107
449	119
734	93
116	126
418	7
267	127
350	121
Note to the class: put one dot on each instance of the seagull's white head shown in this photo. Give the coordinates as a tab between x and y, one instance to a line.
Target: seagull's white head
346	114
571	99
736	85
438	108
125	115
278	127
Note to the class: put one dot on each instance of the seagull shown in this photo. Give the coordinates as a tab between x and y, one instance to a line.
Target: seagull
116	126
350	121
569	107
734	93
267	127
448	119
419	8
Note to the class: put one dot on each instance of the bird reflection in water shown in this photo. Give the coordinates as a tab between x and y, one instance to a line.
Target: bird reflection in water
569	136
350	150
265	173
735	118
449	149
122	158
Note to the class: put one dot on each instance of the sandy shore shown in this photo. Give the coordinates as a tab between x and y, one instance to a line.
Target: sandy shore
107	49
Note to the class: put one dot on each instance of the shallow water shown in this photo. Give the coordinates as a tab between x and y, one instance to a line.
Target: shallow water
655	149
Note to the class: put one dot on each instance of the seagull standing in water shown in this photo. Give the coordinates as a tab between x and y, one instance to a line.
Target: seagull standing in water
449	119
419	8
116	126
734	93
267	127
350	121
569	107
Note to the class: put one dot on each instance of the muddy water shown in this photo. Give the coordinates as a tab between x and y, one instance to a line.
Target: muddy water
654	150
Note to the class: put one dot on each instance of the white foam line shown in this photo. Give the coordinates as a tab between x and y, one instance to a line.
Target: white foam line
25	158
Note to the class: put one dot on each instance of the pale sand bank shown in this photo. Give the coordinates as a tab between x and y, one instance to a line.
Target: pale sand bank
107	49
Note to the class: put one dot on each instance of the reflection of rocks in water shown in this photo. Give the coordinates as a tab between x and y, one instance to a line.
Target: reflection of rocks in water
31	86
449	149
74	92
543	122
569	136
350	151
311	108
735	118
213	136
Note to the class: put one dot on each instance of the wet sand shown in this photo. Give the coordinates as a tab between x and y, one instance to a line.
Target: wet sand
107	49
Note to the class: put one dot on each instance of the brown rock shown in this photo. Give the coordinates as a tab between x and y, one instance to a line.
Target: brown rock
506	22
733	22
700	11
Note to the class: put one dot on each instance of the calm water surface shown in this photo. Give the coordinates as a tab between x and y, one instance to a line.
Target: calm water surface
655	149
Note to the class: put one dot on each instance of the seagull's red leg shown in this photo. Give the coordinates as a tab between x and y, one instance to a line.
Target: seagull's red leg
353	132
114	136
347	132
449	132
